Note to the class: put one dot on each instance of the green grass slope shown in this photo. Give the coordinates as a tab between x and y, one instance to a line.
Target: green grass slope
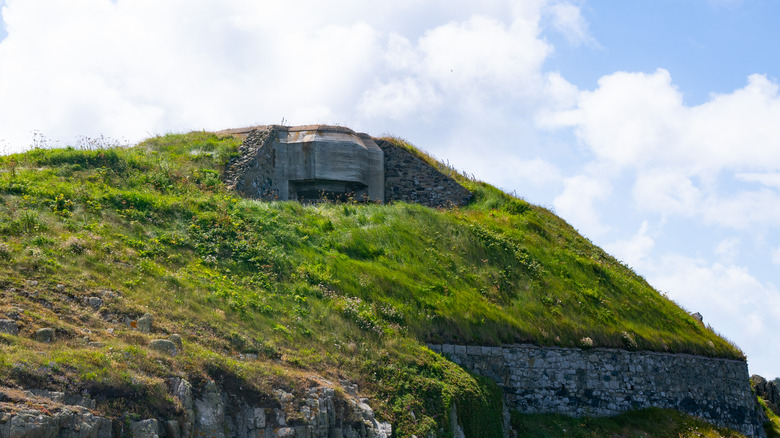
273	293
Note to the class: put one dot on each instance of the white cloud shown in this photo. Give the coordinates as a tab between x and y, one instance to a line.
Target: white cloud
567	19
680	154
744	210
635	250
638	119
737	304
577	203
666	191
728	249
767	179
629	120
512	171
130	68
483	51
776	256
400	98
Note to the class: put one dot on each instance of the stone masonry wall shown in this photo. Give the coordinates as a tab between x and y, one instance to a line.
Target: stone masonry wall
601	382
250	174
410	179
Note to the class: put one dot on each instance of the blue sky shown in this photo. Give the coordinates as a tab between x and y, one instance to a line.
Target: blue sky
707	46
651	126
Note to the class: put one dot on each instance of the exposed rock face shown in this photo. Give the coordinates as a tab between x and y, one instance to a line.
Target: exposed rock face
67	422
769	390
9	327
214	413
305	162
600	382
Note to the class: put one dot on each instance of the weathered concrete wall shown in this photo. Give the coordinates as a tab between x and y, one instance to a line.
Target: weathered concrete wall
601	382
410	179
289	163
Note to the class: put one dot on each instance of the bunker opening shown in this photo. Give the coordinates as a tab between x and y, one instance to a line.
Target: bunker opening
319	190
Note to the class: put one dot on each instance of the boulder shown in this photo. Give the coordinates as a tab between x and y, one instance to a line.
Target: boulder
164	346
145	323
176	339
9	327
45	335
95	302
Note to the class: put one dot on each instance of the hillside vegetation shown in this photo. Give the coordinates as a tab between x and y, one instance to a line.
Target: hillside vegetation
274	293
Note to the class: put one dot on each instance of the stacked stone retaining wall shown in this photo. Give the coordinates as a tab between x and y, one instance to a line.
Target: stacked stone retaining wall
410	179
601	382
251	172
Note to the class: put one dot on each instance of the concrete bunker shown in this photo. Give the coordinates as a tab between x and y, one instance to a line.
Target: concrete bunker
321	162
316	162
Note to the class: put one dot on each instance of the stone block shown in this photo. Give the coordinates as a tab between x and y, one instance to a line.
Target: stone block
474	350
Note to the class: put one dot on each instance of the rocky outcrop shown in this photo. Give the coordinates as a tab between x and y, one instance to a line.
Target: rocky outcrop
601	382
319	412
769	390
9	327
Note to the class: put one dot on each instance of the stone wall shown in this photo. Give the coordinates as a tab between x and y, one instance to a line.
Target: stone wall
601	382
410	179
210	412
251	172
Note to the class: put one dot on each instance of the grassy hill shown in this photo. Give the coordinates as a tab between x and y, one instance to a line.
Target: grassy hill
270	293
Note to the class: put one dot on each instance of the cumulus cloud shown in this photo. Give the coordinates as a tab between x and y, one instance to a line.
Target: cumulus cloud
683	161
680	154
635	250
666	191
130	68
767	179
462	64
728	249
640	119
577	203
744	210
567	19
776	256
744	308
